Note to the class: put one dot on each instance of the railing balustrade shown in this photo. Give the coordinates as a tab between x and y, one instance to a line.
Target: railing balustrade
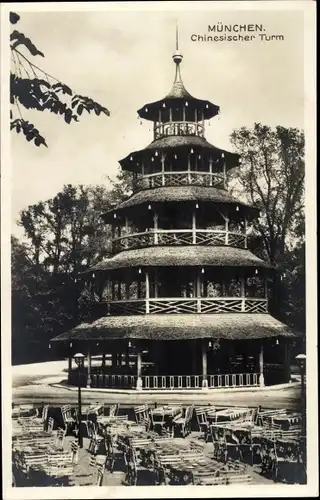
179	237
205	305
183	178
170	382
178	128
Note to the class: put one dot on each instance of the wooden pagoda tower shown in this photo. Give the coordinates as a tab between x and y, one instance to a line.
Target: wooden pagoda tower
183	302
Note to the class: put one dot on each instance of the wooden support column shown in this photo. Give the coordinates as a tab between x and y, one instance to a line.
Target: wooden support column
183	114
243	293
261	376
155	227
194	227
170	114
163	181
189	168
139	369
198	290
245	232
147	292
226	225
224	171
204	364
119	290
210	171
89	369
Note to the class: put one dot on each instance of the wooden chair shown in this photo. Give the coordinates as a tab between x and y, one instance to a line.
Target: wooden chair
238	478
183	424
94	439
50	425
75	451
35	461
122	418
114	410
65	457
32	428
142	416
68	419
61	434
133	466
162	465
207	479
202	421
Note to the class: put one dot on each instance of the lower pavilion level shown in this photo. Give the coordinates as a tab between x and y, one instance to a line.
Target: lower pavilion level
181	364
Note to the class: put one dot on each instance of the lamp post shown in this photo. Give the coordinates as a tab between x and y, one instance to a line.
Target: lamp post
301	358
79	359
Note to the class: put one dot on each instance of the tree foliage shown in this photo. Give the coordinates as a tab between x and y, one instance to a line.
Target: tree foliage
271	178
33	88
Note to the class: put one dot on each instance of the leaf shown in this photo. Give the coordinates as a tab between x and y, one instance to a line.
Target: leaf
14	18
80	109
68	116
21	39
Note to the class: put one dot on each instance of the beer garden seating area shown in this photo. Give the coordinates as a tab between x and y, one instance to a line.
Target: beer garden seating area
155	445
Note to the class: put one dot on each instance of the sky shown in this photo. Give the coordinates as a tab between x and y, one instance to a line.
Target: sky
124	60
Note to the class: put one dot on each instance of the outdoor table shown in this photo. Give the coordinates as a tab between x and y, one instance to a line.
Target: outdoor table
168	412
23	411
227	415
288	420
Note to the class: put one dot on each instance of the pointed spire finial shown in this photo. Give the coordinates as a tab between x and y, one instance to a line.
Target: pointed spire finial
177	56
177	36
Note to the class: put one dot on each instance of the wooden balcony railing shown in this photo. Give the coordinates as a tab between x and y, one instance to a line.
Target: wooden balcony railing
178	128
183	178
207	305
179	237
163	382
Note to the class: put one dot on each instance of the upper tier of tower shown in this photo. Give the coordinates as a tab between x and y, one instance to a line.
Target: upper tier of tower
179	145
178	113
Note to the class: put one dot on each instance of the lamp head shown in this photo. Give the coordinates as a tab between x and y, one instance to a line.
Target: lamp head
301	358
79	359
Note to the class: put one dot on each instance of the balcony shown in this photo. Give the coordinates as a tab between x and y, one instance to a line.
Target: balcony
179	237
182	178
207	305
178	128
